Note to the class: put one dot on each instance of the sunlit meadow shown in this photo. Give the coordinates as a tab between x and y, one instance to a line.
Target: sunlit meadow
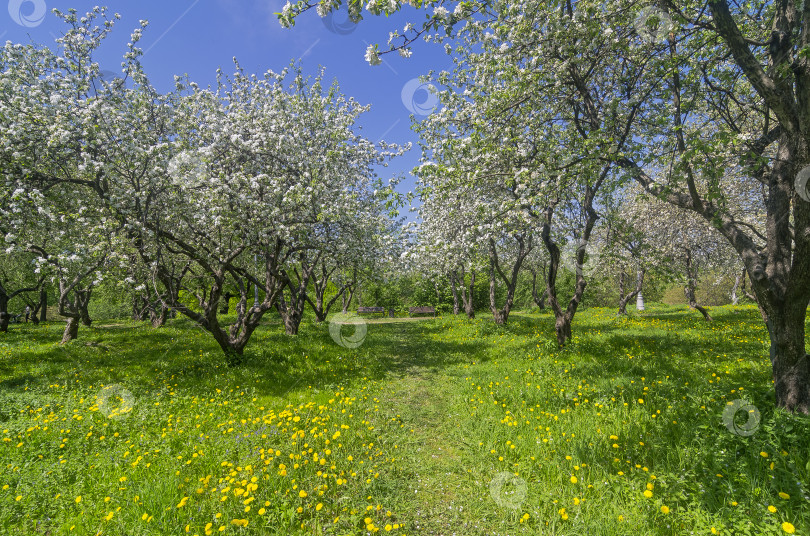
443	426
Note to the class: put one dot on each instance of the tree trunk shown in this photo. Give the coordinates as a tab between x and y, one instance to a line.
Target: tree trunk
71	329
691	285
291	313
789	360
467	294
347	301
563	318
82	301
43	305
158	319
320	314
639	301
525	247
452	276
625	299
735	299
226	303
35	313
4	316
499	315
539	301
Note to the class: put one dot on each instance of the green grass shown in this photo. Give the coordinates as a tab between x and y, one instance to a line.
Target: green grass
445	426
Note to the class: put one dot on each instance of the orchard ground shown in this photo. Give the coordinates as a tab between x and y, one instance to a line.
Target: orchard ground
441	426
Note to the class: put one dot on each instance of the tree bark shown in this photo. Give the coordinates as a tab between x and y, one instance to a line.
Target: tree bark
735	299
321	306
82	302
691	285
293	312
539	301
5	318
5	298
564	318
158	319
71	330
43	305
467	293
625	299
226	303
452	275
525	246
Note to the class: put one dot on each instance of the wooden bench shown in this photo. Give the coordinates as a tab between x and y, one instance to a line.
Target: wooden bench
361	310
422	310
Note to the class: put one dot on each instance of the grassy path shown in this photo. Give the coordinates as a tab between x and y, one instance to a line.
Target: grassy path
422	410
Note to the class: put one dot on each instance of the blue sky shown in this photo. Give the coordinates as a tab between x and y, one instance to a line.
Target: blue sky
198	36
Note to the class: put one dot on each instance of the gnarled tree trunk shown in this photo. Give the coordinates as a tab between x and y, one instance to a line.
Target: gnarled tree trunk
539	300
82	302
43	305
452	276
525	246
691	285
625	299
71	329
